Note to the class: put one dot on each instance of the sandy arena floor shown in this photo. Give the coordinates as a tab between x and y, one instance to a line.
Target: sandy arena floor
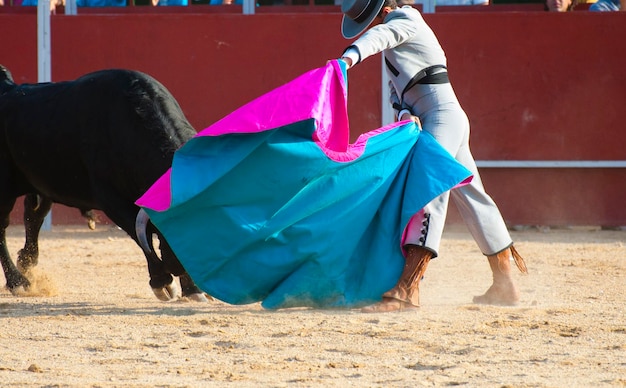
94	322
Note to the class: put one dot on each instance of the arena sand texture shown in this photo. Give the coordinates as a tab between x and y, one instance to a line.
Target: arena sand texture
92	321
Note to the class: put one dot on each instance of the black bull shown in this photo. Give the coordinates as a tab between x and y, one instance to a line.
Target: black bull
98	142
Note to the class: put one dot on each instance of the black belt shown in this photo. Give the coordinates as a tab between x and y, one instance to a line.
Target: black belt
427	76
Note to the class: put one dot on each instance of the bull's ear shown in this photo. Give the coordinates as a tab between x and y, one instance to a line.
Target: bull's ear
6	80
5	74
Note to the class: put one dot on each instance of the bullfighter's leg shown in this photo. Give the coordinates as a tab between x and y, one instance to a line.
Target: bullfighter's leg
503	291
405	295
13	277
36	209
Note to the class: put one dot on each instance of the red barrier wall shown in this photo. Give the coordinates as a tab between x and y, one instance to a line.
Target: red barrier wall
536	86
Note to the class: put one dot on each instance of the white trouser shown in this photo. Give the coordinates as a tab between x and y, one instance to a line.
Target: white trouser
441	115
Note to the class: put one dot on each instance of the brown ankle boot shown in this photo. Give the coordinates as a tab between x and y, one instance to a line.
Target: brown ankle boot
503	291
405	295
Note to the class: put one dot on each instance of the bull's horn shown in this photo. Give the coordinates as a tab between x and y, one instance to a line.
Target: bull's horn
141	226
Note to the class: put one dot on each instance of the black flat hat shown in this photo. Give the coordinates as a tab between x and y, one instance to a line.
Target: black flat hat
357	15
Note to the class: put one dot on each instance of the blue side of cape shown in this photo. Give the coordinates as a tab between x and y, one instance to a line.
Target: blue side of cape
281	223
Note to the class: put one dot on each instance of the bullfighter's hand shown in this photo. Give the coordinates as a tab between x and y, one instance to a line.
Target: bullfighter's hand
408	116
347	60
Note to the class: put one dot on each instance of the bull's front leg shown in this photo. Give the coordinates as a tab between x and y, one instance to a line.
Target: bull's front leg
191	290
36	209
161	282
162	269
173	265
14	278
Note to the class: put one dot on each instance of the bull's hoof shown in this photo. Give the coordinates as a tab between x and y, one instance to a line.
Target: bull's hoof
26	260
200	297
17	285
91	218
168	292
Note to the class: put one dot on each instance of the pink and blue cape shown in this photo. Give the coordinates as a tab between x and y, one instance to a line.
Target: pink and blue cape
272	204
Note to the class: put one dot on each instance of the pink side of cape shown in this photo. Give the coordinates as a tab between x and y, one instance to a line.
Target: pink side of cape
320	94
